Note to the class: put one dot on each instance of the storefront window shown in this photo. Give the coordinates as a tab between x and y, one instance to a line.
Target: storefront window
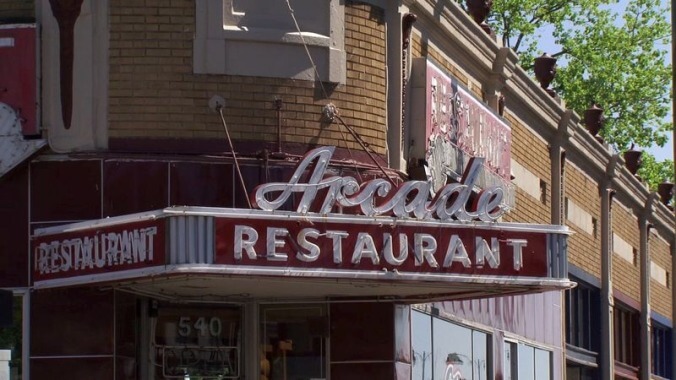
582	320
661	350
10	337
543	364
293	342
510	366
524	362
421	340
626	334
457	352
197	342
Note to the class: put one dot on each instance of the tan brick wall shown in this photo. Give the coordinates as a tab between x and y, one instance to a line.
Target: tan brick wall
154	93
626	276
17	9
584	249
660	295
420	49
533	154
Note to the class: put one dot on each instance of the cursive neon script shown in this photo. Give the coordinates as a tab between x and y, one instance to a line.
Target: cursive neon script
377	197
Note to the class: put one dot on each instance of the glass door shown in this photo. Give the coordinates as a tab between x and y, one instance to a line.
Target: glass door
293	342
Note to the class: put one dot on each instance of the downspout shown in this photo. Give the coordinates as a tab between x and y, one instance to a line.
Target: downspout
558	159
394	56
644	249
607	359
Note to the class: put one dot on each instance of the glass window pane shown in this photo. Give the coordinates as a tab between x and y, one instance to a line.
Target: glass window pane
197	341
452	346
293	342
526	357
509	361
542	365
480	355
421	341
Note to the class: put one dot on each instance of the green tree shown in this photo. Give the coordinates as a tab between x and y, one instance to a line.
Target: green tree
10	336
609	55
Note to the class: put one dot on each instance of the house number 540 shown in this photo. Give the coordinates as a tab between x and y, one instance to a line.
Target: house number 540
201	325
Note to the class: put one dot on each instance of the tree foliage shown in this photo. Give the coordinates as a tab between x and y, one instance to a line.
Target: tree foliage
610	54
10	337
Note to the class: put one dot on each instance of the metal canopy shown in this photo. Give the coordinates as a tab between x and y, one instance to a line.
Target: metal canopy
182	253
227	288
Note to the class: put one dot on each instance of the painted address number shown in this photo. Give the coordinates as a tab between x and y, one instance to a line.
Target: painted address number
203	326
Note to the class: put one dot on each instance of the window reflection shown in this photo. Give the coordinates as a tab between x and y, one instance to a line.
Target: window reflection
510	367
480	354
421	341
452	350
526	360
293	342
534	363
196	341
542	364
445	350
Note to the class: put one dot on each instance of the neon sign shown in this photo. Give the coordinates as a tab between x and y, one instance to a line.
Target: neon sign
377	197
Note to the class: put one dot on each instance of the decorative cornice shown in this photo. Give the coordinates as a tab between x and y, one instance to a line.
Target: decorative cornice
568	124
614	163
583	147
503	65
458	28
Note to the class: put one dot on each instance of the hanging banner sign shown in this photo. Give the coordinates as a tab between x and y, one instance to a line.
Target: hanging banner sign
449	126
451	114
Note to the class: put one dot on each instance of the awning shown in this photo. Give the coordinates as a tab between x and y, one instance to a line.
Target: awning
216	254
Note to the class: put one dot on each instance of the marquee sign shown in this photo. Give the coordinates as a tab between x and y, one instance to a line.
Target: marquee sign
443	245
101	250
338	228
415	247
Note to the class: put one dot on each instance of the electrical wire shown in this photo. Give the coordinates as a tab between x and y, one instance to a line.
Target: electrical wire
234	156
349	129
361	143
307	51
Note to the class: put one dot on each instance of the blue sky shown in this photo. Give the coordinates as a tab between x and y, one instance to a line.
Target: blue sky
547	45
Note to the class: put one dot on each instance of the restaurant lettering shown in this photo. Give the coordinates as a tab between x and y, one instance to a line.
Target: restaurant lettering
97	251
377	197
393	249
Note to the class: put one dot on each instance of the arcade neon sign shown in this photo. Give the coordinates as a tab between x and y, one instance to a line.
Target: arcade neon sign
377	197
